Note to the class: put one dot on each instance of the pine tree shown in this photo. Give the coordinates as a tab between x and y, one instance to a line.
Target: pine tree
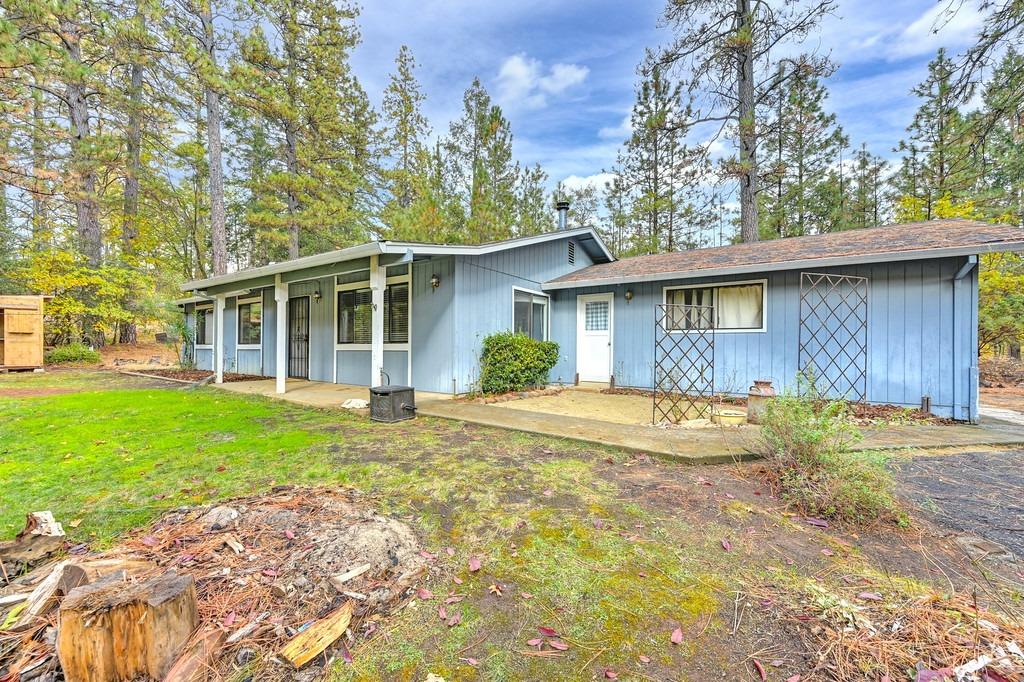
406	129
479	146
298	80
657	168
936	163
804	196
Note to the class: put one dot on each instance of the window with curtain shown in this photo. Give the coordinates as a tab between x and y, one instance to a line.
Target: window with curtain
250	323
530	314
204	327
729	307
355	315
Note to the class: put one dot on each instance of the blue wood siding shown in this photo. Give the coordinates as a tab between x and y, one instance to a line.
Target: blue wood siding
230	334
432	325
269	333
321	325
922	337
483	298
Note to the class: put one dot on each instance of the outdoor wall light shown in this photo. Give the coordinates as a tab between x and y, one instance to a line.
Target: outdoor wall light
317	296
435	281
629	294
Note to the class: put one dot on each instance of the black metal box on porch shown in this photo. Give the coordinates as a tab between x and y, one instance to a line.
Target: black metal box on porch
392	403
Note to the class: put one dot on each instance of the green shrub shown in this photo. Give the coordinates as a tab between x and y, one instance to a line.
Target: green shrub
513	362
73	353
808	460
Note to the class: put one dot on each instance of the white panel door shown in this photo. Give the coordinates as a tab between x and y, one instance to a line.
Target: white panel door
594	337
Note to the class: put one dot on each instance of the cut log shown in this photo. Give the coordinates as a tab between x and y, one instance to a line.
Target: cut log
196	663
42	598
41	537
84	572
114	631
311	642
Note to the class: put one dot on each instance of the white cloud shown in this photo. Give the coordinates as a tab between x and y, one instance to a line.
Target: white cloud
939	26
619	132
597	180
522	81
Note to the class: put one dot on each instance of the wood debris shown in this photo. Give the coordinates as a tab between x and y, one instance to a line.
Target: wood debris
41	537
311	642
261	589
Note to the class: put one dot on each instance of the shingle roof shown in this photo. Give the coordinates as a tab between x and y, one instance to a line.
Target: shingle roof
908	241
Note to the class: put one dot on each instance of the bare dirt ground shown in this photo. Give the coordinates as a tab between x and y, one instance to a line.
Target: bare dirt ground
1007	398
978	493
141	354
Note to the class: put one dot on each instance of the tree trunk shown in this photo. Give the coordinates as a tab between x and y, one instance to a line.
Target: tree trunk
127	332
292	201
87	217
747	124
218	217
38	166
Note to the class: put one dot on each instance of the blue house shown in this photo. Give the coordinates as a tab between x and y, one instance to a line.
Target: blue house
886	315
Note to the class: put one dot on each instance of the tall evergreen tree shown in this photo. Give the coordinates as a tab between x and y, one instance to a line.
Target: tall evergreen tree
406	128
298	79
803	197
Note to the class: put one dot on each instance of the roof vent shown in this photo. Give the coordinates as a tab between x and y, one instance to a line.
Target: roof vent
563	213
572	252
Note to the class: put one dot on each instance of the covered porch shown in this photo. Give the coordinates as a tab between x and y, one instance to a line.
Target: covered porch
315	393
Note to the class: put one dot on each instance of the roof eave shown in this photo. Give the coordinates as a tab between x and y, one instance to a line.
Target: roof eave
917	254
339	256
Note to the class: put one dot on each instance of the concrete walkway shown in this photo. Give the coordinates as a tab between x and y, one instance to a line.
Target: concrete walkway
313	393
705	445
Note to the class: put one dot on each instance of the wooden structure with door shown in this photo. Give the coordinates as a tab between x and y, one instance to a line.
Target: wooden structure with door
21	332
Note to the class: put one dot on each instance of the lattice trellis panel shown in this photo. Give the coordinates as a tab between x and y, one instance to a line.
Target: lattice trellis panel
834	334
684	362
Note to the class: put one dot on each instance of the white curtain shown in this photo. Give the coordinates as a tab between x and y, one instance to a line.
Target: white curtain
740	307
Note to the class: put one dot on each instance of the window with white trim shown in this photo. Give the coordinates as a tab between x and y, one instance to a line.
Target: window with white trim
250	322
530	314
204	326
355	315
725	307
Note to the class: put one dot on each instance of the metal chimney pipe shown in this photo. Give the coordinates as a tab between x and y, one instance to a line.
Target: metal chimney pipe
563	213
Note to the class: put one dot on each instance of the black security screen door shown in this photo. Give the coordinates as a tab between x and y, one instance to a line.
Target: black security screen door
298	337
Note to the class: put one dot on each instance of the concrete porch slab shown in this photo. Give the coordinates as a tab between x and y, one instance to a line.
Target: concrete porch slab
706	445
314	393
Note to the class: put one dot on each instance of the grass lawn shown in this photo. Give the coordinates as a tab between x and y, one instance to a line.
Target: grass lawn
617	551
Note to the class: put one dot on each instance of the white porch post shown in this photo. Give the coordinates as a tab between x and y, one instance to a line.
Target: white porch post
218	338
281	335
378	281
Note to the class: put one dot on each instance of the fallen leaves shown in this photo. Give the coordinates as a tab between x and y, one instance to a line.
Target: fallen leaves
677	636
558	645
474	564
726	545
495	589
547	632
760	670
424	594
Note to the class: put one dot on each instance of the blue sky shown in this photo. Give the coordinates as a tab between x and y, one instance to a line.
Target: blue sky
564	72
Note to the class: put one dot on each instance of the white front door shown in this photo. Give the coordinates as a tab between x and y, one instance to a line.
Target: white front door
594	337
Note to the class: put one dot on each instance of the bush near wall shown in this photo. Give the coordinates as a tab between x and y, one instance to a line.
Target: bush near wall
513	362
72	354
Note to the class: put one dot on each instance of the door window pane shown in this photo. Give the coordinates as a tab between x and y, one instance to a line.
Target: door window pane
596	316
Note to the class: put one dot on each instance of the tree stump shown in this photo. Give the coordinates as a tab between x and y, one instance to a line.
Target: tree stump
117	631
